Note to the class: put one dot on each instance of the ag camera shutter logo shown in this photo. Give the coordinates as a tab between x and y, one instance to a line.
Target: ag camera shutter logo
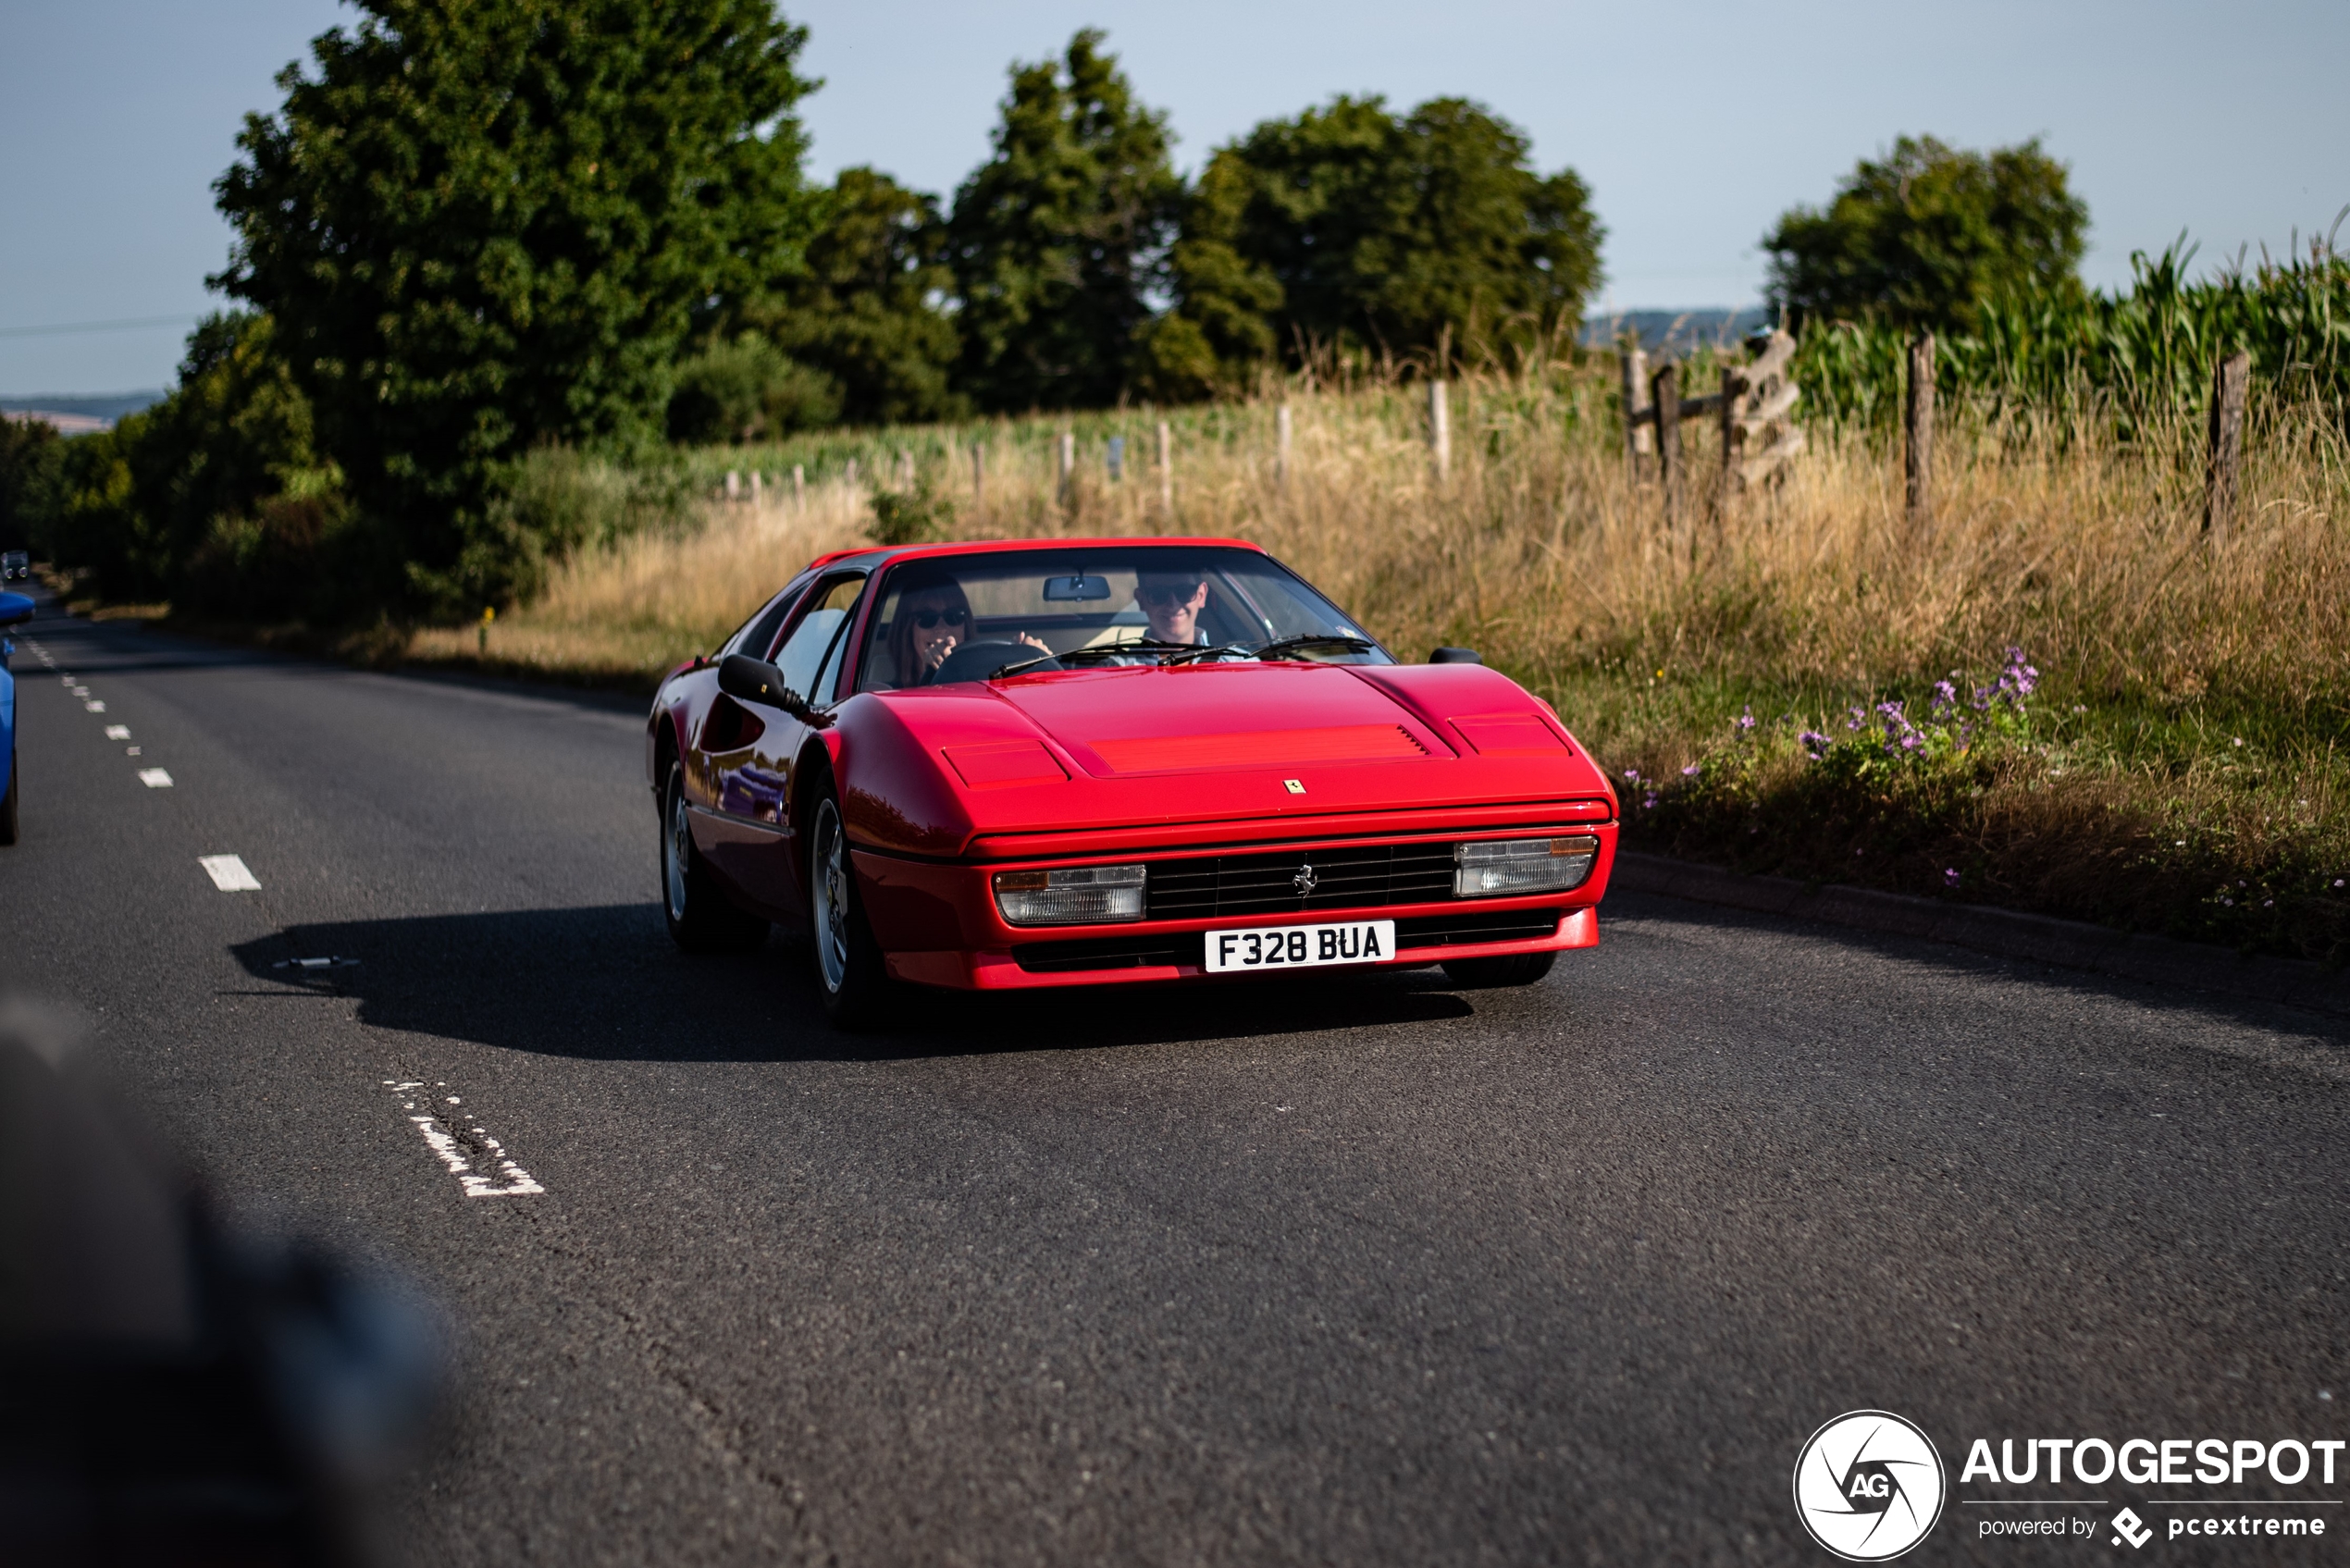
1868	1486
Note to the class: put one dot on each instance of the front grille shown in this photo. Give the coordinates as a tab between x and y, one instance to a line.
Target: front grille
1112	953
1363	876
1486	925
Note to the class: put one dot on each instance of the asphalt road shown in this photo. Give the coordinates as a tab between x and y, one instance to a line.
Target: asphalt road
1367	1272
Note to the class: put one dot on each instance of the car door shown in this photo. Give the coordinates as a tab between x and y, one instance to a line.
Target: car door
753	747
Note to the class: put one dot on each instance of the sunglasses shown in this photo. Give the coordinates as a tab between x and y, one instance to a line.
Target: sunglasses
927	619
1160	593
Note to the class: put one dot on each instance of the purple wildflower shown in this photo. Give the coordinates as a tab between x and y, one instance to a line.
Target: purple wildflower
1860	717
1649	804
1692	771
1950	877
1817	745
1746	720
1945	696
1631	775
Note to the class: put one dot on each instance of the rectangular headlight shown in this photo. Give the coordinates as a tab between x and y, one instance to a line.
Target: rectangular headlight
1083	895
1495	867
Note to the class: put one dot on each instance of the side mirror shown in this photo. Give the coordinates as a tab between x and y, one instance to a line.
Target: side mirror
1456	656
15	607
754	680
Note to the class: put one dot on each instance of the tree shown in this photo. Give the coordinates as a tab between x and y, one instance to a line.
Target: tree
1924	237
30	458
484	227
1349	227
868	309
1058	240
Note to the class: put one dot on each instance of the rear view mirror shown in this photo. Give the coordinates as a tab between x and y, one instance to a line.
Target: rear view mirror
1077	586
754	680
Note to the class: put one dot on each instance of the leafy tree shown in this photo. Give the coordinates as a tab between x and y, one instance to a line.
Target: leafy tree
484	227
30	457
747	389
1352	227
1929	234
868	310
1057	241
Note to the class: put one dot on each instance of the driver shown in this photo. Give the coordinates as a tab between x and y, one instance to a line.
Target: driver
934	619
1170	600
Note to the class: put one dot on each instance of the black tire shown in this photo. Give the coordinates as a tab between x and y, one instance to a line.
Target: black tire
8	803
700	918
851	971
1486	974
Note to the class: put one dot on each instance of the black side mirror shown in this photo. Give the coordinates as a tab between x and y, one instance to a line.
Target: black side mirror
754	680
1456	656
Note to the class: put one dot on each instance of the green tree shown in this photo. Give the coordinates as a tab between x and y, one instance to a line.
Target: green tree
485	226
1056	241
745	389
1354	227
30	460
868	309
1929	234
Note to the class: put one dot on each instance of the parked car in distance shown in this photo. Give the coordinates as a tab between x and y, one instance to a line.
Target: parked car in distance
16	566
1017	764
14	609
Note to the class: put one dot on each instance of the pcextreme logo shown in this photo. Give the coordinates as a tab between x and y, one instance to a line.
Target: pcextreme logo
1869	1486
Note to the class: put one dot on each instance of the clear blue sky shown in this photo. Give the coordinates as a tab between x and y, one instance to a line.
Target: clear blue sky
1695	123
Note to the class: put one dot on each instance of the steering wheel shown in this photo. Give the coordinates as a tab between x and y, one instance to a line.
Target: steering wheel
977	661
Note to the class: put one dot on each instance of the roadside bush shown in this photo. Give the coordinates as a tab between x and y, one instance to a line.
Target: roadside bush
747	389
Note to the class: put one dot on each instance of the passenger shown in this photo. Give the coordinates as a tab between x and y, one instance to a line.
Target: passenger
1171	602
934	619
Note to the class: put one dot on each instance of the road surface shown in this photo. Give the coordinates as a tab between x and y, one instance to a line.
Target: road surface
1366	1272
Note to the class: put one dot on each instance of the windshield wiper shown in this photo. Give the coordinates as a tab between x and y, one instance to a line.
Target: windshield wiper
1097	650
1288	645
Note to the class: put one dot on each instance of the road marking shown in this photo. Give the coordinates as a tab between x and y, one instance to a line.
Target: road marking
228	874
459	1140
130	751
117	732
155	778
96	707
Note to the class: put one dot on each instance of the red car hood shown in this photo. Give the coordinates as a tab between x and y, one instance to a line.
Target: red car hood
1102	748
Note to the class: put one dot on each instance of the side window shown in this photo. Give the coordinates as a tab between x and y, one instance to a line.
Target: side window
828	608
758	634
824	690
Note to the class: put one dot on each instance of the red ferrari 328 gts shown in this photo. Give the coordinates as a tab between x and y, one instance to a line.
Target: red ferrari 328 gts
1036	763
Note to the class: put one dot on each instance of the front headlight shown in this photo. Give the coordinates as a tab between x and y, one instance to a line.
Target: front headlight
1498	867
1081	895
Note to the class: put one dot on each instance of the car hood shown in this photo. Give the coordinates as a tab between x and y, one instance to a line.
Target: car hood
929	770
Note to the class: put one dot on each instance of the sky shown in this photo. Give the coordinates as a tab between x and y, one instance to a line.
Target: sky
1695	124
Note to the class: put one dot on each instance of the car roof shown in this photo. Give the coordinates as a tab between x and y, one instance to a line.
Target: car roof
868	555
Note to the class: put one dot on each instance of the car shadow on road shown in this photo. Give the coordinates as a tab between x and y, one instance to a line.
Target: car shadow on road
604	983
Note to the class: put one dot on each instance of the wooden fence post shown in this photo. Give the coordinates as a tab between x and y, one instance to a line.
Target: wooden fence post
1917	425
1636	437
1281	446
978	473
2229	382
852	473
1067	465
1664	390
905	469
1440	432
800	486
1733	433
758	489
1166	469
733	485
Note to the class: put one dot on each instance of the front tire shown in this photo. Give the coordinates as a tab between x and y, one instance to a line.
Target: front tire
700	918
850	970
1487	974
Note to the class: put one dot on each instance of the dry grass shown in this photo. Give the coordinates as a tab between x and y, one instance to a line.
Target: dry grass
1543	552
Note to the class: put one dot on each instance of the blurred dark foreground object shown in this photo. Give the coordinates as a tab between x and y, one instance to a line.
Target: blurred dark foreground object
172	1396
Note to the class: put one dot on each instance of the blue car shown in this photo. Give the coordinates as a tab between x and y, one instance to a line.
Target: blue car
14	608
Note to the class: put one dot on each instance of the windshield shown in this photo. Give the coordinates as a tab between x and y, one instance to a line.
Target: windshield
962	618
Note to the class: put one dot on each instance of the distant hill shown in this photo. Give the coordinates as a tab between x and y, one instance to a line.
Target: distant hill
104	407
1679	330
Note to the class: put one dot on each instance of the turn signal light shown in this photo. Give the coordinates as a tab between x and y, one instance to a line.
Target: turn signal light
1497	868
1080	895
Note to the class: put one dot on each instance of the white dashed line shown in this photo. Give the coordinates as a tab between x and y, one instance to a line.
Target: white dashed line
96	707
155	778
117	732
228	874
458	1138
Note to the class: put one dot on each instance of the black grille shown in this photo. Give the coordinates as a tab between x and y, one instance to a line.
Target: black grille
1359	877
1460	930
1112	953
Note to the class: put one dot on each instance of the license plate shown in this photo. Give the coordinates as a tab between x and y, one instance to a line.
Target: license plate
1300	947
